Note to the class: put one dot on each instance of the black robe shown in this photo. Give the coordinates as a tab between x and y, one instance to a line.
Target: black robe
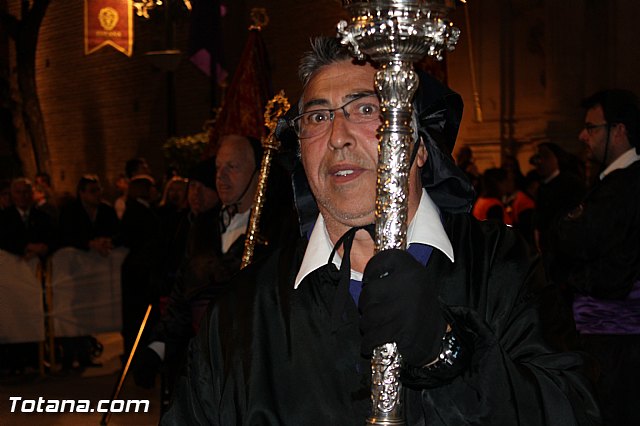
77	229
596	253
554	200
596	248
15	234
268	356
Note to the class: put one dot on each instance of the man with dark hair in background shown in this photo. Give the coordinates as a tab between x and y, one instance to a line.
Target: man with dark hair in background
141	268
560	190
86	223
136	166
596	252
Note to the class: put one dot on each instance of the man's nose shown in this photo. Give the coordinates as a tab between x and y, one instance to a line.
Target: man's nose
583	136
222	174
340	135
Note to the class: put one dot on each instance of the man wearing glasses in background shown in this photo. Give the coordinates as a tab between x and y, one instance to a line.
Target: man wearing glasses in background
597	253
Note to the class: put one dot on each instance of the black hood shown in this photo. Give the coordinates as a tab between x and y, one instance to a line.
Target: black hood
439	112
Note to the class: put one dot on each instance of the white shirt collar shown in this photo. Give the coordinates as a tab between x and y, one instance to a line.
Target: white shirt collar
237	226
622	162
425	228
552	176
143	202
23	213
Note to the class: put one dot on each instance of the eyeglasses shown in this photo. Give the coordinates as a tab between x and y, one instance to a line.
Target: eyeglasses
363	109
591	128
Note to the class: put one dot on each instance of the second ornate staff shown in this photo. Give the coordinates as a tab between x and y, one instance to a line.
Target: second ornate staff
275	109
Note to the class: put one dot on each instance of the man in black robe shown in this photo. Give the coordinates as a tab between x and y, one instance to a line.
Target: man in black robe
597	253
215	247
290	343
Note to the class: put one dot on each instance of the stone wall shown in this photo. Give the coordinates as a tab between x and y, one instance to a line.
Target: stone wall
535	59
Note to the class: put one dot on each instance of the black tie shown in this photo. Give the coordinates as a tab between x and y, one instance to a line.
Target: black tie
226	214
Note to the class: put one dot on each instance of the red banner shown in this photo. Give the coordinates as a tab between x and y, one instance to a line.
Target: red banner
243	105
108	23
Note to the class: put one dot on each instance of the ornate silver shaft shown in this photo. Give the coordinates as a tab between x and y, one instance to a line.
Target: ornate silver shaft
394	33
386	389
396	83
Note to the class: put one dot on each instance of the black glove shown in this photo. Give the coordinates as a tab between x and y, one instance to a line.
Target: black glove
146	366
399	305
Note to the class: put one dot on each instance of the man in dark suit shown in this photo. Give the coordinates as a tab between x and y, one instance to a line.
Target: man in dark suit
596	250
88	223
560	190
141	268
26	231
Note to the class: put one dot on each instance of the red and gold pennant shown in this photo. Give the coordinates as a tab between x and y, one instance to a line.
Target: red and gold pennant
108	23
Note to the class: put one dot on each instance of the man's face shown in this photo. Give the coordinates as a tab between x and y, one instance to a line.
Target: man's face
595	137
545	162
175	193
22	195
236	169
122	183
91	195
341	164
5	198
143	169
200	197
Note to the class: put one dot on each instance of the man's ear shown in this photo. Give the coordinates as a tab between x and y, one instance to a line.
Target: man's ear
422	155
622	129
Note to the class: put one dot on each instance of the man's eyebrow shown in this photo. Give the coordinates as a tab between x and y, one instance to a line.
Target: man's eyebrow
315	102
359	94
347	98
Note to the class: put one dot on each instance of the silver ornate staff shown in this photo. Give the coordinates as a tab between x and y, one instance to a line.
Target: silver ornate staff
394	33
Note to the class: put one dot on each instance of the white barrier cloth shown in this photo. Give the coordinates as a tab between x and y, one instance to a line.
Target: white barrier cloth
21	305
86	292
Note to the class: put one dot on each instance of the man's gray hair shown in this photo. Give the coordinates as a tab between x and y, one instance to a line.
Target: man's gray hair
324	51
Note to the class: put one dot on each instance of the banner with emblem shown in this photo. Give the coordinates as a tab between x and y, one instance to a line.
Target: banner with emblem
243	106
108	23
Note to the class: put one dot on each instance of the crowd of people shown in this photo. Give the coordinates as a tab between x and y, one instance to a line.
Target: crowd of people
530	203
173	234
587	233
536	322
